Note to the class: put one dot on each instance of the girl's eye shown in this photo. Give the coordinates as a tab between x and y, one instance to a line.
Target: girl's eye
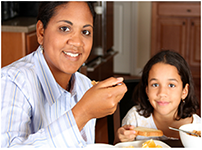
171	85
64	29
155	85
86	32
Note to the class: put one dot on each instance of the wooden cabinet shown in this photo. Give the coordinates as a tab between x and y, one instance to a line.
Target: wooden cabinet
177	26
15	45
32	43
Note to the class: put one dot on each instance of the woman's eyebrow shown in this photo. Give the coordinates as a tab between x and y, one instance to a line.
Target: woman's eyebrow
88	25
69	22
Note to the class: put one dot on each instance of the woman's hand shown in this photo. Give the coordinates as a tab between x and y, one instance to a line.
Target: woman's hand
126	133
99	101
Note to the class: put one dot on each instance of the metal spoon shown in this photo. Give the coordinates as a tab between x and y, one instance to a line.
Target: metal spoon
183	131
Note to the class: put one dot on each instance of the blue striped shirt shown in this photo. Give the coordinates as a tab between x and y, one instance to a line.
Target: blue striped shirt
36	110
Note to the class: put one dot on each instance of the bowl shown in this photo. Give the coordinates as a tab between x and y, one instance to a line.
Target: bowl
99	145
190	141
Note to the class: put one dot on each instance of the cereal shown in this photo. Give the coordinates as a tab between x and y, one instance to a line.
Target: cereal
196	132
150	144
94	82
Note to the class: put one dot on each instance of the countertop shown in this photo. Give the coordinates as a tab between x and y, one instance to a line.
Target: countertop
19	24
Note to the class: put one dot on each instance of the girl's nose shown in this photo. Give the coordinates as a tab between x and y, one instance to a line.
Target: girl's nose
162	91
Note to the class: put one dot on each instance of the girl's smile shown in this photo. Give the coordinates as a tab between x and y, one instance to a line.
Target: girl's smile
162	103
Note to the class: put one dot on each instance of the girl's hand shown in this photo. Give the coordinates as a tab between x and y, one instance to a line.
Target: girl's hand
99	101
126	133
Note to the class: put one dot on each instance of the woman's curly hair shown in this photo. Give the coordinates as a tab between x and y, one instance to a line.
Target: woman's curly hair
186	108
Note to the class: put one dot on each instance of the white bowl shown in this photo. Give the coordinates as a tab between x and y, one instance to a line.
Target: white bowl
190	141
99	145
138	144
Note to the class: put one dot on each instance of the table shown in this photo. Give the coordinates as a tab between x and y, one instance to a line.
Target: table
173	143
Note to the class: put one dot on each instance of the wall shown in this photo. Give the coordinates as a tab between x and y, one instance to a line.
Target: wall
141	36
132	36
144	33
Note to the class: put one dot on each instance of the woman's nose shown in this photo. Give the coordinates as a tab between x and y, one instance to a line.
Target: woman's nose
76	40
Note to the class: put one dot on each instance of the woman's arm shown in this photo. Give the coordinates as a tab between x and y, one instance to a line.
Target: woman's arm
99	101
17	125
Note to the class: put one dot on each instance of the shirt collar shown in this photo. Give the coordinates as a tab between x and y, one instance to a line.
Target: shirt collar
73	87
49	85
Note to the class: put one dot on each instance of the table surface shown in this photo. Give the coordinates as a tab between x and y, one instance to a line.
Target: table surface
173	143
19	24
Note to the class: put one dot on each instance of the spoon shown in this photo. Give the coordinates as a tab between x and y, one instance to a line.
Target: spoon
184	131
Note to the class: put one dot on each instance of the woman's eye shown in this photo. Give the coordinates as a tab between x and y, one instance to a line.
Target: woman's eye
155	85
86	32
171	85
64	29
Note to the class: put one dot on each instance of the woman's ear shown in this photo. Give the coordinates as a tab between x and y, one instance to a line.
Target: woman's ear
40	32
185	91
146	90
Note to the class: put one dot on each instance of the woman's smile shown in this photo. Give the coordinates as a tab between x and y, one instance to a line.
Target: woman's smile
72	56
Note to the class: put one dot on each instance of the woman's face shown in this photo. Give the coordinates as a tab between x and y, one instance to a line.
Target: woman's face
165	88
68	38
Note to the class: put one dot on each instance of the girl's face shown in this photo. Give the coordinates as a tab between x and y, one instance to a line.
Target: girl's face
165	89
68	38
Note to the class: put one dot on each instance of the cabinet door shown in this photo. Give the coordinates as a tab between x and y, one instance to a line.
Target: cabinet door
171	34
12	47
194	49
110	24
32	43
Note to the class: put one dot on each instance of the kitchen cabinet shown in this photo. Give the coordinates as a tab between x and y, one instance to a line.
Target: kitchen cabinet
16	45
18	38
102	67
32	43
177	26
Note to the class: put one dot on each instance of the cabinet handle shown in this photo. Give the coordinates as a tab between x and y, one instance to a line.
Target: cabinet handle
183	23
192	23
188	10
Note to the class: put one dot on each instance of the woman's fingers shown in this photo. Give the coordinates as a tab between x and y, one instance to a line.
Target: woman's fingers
110	82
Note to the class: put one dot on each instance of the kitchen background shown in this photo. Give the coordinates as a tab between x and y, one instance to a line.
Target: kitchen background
127	34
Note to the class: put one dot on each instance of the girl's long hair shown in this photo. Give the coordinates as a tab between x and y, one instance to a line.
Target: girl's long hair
186	108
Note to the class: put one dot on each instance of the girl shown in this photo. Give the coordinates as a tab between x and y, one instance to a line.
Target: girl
165	97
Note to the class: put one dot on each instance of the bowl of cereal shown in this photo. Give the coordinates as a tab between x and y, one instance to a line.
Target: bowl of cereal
191	141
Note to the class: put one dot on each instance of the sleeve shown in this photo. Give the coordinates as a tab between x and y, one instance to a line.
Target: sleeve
130	118
196	119
16	123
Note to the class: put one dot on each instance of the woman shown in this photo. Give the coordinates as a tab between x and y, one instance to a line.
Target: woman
45	102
